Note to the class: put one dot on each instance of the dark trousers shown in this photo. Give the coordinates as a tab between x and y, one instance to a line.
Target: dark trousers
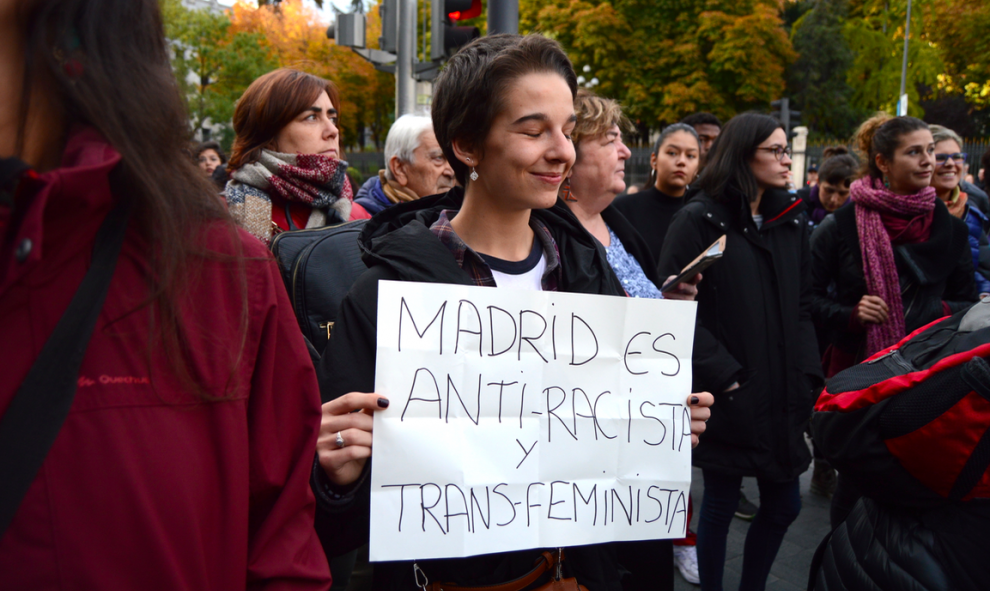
650	564
780	503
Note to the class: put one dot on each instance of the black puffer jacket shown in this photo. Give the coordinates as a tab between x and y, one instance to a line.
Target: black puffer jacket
940	269
756	304
397	244
880	547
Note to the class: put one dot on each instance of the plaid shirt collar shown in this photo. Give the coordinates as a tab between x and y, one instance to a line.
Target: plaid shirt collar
475	266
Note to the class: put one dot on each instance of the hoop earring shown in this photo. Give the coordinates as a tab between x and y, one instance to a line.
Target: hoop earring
566	193
474	174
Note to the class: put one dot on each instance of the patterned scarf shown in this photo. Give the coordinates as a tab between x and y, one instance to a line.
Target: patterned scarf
957	203
317	181
879	269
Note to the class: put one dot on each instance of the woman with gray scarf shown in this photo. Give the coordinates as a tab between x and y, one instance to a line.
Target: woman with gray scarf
285	168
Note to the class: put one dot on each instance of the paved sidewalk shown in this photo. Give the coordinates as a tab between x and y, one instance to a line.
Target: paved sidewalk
790	570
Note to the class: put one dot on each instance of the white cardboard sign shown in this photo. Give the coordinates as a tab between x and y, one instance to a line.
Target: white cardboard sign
525	419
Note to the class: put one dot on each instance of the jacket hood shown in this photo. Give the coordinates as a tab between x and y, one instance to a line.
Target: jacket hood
400	238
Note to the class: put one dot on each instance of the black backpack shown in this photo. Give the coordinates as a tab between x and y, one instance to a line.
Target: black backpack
319	266
911	424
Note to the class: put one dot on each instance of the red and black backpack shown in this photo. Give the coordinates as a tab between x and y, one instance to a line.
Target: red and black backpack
911	424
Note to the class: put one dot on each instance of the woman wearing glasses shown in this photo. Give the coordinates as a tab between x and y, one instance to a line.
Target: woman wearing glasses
949	163
894	262
756	304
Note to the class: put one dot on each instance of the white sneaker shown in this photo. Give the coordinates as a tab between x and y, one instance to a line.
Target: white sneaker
686	561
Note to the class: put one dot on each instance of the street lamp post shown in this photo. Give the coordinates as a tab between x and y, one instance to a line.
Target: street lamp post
902	97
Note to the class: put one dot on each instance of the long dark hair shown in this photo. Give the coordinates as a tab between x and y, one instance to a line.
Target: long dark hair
105	64
728	161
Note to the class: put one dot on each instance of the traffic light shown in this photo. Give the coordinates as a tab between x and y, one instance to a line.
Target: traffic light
389	39
785	115
447	39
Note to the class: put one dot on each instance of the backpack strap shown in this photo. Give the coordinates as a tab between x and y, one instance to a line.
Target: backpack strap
36	414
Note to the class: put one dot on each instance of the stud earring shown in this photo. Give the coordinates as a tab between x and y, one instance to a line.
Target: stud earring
474	174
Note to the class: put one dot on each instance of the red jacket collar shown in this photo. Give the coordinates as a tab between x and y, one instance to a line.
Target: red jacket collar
60	210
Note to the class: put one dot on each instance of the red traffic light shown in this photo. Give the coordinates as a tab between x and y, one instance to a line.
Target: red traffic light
460	15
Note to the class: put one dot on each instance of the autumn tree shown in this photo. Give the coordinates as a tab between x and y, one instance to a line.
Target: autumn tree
213	64
962	31
665	60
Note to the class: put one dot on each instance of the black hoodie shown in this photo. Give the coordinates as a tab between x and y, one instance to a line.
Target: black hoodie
397	244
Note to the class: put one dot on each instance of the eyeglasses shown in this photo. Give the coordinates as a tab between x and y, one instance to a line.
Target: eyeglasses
778	152
958	157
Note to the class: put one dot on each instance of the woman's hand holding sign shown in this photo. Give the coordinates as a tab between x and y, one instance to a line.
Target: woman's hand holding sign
699	403
344	443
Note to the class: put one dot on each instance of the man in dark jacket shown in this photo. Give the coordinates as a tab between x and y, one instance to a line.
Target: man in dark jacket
414	166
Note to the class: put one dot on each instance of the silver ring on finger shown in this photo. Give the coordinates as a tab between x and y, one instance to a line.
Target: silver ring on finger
340	440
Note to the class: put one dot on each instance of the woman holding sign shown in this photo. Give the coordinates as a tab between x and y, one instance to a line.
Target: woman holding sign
503	114
757	304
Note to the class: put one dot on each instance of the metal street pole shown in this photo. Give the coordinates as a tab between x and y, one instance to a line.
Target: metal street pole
405	84
902	96
503	16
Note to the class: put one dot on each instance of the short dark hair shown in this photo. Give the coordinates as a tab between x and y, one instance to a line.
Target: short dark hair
269	104
839	169
470	91
881	134
728	164
702	118
210	145
985	165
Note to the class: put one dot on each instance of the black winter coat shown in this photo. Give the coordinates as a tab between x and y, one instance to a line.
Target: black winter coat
931	272
756	304
708	372
397	244
880	546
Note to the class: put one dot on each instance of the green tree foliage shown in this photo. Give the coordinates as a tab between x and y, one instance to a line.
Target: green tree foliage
213	65
666	59
962	32
818	79
875	33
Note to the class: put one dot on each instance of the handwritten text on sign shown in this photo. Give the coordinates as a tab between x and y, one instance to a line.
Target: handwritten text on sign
523	419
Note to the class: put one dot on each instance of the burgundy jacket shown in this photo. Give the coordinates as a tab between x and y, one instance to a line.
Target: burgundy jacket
148	486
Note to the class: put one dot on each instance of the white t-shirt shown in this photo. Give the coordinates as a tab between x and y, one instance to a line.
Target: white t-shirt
524	274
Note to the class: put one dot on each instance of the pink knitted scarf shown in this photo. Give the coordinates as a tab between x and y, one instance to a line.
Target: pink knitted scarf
879	270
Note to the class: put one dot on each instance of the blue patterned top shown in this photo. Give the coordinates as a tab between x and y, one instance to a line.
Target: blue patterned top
630	273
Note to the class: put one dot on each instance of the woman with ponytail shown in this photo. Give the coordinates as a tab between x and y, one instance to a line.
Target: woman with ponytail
895	261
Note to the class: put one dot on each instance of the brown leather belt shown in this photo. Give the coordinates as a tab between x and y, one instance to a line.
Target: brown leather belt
545	562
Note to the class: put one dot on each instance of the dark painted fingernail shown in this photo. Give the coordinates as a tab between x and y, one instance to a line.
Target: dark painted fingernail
695	400
383	402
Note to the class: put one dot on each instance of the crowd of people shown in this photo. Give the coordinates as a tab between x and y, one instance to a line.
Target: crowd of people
188	440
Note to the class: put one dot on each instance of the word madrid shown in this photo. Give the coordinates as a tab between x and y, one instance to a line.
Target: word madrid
525	419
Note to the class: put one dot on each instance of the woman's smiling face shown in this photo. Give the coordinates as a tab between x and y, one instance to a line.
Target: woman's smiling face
528	150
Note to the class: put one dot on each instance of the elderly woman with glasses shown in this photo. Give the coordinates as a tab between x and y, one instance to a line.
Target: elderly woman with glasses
949	163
